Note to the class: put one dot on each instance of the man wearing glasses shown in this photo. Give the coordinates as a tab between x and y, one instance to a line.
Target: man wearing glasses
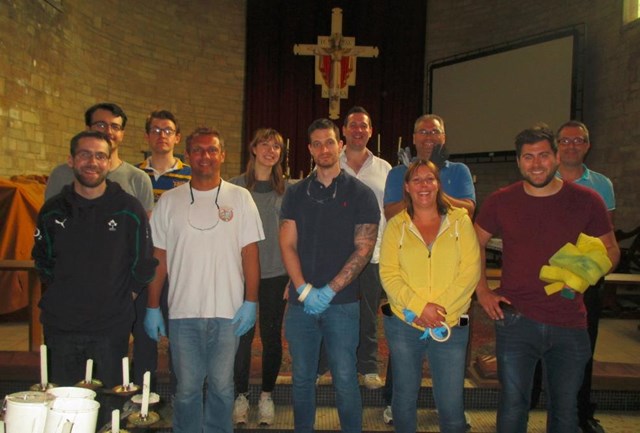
110	119
162	134
205	235
93	249
573	147
328	229
429	139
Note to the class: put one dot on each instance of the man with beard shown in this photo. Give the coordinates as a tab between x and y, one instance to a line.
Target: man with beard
93	250
328	229
429	139
110	119
535	218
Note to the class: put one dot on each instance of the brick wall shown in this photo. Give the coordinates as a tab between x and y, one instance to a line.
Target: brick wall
59	57
611	85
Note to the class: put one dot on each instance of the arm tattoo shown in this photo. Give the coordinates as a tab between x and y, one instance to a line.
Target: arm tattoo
365	236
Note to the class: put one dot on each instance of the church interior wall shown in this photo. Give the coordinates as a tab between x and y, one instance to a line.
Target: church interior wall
611	83
58	57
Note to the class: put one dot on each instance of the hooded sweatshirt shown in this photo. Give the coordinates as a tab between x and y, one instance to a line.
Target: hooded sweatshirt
446	274
92	255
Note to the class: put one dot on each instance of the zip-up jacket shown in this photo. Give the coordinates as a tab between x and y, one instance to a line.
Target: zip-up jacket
447	274
92	255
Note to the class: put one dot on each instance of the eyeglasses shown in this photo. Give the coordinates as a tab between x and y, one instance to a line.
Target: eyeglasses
578	141
325	199
427	132
200	151
103	126
85	155
157	131
189	220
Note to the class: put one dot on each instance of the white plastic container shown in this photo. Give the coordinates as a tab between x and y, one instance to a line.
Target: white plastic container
26	411
78	415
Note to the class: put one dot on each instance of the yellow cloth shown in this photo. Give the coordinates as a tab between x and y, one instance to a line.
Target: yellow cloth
576	266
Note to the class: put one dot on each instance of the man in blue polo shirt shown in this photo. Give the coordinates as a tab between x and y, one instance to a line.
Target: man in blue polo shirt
328	230
573	147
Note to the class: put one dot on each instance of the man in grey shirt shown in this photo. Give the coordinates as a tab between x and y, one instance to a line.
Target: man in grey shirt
110	119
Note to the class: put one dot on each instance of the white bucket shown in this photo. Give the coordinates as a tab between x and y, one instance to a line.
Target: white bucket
26	412
72	392
78	415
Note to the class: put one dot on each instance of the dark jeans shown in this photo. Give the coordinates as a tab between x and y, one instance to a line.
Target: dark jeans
271	311
370	291
145	350
68	354
593	304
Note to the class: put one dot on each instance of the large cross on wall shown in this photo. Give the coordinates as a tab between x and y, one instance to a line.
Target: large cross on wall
335	62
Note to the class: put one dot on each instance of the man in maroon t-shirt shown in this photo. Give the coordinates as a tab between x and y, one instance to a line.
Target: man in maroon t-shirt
535	217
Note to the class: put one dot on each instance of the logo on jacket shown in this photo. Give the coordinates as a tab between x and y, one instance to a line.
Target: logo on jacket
60	223
37	234
112	225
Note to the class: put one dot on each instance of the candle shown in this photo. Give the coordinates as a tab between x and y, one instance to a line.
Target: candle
125	372
378	144
44	379
146	384
115	421
399	143
88	373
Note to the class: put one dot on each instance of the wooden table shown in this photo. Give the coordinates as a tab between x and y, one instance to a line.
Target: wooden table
35	292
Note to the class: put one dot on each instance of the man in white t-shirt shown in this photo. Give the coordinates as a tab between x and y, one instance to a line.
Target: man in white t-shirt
205	236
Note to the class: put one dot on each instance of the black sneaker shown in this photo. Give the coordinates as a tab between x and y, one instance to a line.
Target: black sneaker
591	425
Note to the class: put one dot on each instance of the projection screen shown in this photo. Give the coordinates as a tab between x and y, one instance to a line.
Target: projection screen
488	96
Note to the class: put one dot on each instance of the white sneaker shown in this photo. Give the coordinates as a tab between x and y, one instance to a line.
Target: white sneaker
387	415
266	411
241	410
373	381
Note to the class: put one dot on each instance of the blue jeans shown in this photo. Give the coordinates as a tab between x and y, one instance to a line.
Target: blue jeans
520	343
203	349
447	361
339	327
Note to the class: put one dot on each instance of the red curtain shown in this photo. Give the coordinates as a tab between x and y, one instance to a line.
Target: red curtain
280	88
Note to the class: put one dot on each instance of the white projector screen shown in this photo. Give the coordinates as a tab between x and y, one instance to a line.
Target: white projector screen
487	99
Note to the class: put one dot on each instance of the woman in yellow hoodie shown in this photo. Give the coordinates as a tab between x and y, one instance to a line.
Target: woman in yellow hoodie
429	266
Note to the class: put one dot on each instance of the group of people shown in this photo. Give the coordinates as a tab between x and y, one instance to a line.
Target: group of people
170	249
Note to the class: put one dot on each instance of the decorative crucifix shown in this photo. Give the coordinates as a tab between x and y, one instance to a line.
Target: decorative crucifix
335	62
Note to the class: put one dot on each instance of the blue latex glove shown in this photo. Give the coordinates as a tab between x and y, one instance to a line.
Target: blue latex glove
245	318
318	300
154	324
409	316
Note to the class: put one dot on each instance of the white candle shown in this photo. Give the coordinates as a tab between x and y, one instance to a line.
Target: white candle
399	143
115	421
378	144
125	372
146	385
44	379
88	373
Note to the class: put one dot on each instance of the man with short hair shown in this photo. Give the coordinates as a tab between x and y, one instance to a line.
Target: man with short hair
110	119
573	147
205	235
93	250
535	218
327	235
361	163
162	134
429	140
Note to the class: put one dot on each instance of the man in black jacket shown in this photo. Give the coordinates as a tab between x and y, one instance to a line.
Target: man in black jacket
94	252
